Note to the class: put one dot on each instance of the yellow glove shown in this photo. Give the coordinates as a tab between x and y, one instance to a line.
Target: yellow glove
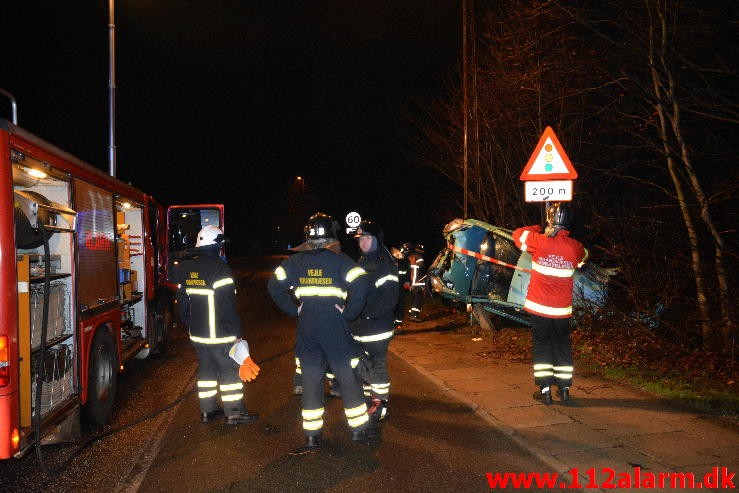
248	370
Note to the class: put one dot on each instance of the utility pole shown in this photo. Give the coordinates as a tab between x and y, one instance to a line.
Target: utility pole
111	88
464	103
475	112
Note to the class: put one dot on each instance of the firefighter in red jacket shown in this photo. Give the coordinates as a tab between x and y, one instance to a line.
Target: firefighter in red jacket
554	258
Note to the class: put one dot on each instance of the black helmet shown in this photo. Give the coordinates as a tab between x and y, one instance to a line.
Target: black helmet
418	249
559	216
406	249
369	228
320	226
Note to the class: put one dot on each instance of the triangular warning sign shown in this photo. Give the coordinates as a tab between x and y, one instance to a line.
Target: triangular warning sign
549	161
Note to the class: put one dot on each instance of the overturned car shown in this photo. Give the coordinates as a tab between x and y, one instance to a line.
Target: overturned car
482	268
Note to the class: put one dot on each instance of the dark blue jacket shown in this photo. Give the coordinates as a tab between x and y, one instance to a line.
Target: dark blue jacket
207	297
379	312
319	279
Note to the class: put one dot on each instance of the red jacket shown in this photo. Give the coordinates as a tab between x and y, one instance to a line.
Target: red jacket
553	263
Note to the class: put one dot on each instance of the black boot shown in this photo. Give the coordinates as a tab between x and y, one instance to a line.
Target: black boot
563	393
544	395
312	444
242	418
209	416
369	436
384	411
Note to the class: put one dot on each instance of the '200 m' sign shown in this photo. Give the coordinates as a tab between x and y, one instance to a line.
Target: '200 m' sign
548	191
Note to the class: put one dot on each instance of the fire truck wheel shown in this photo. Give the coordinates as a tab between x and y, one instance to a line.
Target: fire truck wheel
101	378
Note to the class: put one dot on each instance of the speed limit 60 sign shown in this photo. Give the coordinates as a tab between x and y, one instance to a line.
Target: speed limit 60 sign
352	222
548	191
353	219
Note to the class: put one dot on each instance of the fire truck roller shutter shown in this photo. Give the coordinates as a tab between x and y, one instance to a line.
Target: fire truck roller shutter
96	250
28	215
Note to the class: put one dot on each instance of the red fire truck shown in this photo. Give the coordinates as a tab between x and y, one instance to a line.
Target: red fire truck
83	261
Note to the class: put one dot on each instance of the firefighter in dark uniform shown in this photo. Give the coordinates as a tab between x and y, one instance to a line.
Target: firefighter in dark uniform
554	258
374	327
331	290
417	287
404	282
206	295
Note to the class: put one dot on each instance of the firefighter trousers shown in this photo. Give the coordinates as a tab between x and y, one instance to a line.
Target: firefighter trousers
378	379
417	299
313	371
400	307
553	363
217	372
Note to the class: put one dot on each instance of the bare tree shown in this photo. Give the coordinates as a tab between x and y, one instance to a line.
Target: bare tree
669	109
641	94
519	86
667	43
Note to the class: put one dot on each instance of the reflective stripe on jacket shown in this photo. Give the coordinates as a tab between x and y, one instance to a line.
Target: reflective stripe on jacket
207	286
318	280
376	321
417	269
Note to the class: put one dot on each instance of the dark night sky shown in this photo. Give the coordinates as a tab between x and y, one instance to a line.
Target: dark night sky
268	89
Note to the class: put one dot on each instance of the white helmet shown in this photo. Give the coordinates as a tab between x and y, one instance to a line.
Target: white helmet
209	235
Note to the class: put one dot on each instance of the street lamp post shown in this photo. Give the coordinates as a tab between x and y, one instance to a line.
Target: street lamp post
111	88
464	107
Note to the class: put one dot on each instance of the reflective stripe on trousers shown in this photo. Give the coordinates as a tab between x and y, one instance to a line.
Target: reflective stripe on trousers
218	372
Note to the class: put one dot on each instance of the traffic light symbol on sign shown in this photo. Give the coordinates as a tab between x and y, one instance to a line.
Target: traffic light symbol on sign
548	161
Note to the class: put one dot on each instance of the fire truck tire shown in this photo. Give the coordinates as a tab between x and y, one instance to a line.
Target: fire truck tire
101	378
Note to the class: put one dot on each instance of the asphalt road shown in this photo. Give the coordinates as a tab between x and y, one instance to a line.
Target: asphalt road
429	443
